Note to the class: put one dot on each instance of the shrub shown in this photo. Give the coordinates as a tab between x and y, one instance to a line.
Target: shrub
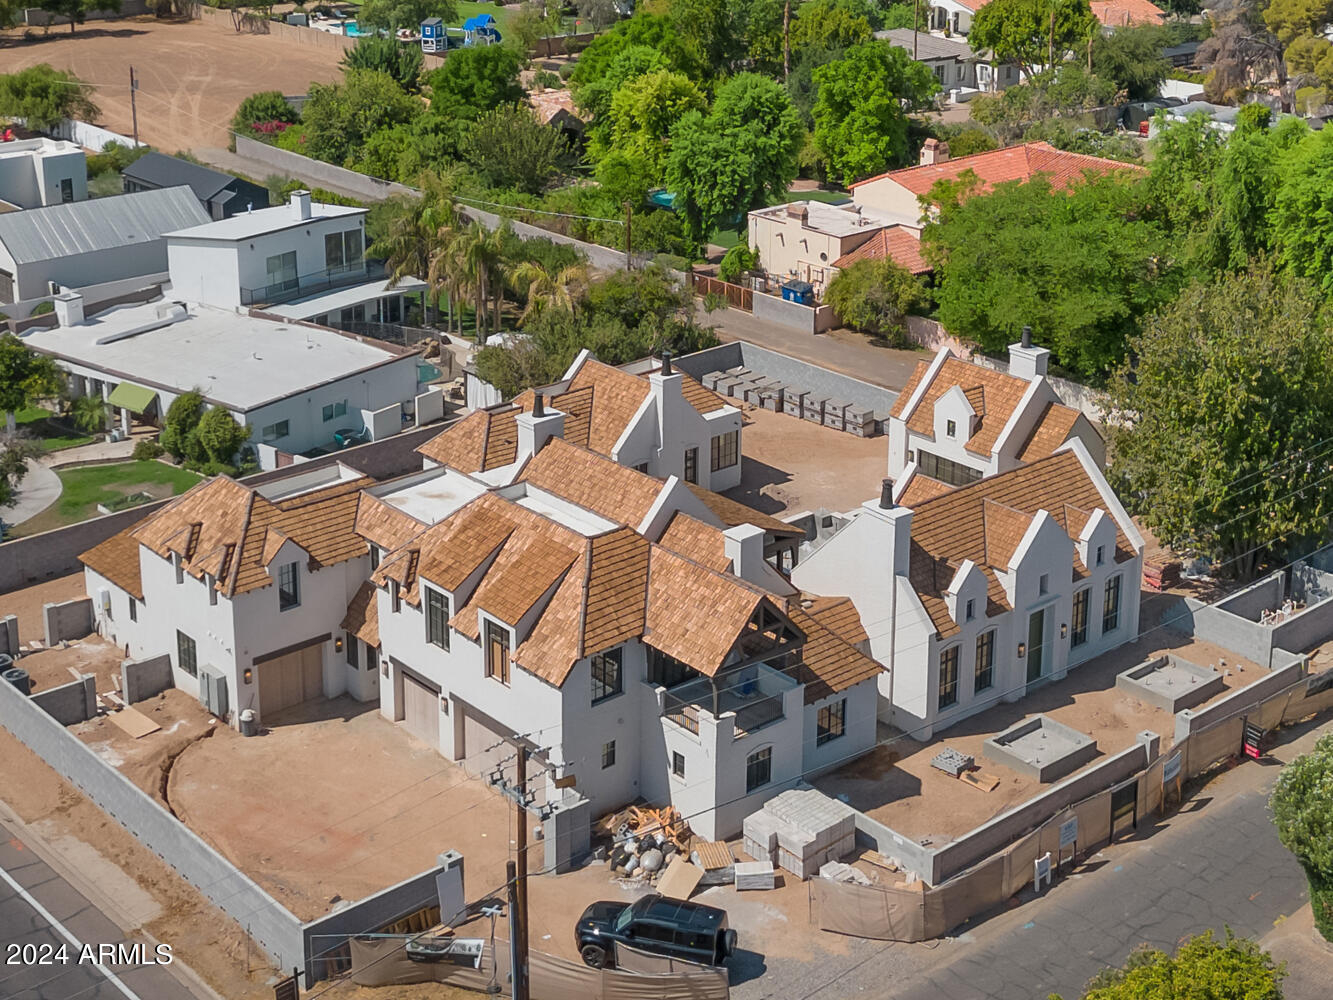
874	296
1302	805
182	418
265	107
736	261
220	436
115	157
147	451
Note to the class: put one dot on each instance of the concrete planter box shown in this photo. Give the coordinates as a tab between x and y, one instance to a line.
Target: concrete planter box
1170	683
1041	748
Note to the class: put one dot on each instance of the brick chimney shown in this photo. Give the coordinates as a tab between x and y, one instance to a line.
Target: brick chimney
799	211
934	152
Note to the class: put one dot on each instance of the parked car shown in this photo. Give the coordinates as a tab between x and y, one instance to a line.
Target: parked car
689	931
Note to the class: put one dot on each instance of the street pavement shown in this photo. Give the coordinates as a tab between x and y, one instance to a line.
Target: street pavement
45	924
1214	864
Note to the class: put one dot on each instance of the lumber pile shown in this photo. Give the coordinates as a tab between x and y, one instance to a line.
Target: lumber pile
646	841
1158	575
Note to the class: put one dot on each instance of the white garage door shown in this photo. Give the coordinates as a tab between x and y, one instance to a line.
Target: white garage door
421	710
290	680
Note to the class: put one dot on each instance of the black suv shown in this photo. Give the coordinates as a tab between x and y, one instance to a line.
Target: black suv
689	931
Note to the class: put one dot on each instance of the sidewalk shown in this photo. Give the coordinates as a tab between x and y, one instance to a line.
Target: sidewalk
1308	956
39	489
98	451
842	350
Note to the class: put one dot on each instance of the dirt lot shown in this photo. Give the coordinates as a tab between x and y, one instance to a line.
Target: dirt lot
915	799
191	77
792	465
92	655
146	759
27	603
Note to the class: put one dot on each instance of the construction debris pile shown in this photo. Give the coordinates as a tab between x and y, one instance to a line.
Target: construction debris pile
801	830
644	840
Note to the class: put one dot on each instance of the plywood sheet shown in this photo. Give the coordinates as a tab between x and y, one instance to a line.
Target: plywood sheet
134	722
713	854
680	879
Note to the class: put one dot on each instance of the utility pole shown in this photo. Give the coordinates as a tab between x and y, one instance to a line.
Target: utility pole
786	40
521	885
629	236
516	933
134	108
916	20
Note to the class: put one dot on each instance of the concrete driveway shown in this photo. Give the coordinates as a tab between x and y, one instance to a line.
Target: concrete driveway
40	489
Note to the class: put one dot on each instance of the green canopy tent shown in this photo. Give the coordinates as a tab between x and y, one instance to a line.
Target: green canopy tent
135	398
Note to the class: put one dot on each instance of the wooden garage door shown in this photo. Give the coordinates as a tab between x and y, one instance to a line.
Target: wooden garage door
421	710
291	680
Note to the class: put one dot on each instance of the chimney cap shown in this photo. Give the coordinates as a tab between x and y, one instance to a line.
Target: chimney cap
666	362
538	404
1027	336
886	494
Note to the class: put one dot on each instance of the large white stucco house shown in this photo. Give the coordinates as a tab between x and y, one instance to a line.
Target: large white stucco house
955	422
975	595
300	261
614	619
249	585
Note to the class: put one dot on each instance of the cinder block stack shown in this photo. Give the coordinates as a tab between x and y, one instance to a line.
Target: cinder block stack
806	829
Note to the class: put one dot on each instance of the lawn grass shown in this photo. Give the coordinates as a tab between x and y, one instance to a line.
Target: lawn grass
85	487
724	238
37	422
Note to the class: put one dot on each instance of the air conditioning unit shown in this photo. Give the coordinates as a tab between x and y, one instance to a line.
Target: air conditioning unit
104	600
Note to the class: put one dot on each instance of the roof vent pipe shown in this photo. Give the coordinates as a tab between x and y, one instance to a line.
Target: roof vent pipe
538	405
666	362
1027	336
886	494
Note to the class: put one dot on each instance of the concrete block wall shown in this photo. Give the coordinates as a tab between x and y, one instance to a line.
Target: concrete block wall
567	833
140	679
911	856
9	635
276	930
70	703
1291	669
1306	630
67	620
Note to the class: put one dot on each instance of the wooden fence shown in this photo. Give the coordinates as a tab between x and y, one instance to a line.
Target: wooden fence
737	296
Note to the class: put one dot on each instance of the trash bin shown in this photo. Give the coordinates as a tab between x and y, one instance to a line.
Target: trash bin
18	677
249	727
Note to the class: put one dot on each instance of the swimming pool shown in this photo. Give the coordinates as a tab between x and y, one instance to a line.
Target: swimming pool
351	30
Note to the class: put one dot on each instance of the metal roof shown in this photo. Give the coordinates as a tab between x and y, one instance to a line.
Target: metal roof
161	171
98	224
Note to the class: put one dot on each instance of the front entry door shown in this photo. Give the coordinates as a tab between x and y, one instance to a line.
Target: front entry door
1036	635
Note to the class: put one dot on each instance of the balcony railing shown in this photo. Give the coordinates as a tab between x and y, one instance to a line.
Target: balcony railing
756	701
299	286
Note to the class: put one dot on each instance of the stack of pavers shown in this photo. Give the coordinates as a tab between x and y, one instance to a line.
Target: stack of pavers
952	761
800	830
768	393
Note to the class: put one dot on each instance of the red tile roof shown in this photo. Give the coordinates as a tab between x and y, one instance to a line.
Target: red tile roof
1118	13
1013	163
896	243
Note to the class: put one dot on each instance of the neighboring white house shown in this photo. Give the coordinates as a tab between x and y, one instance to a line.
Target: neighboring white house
613	619
90	242
956	422
39	172
660	422
955	65
977	595
246	584
301	261
296	386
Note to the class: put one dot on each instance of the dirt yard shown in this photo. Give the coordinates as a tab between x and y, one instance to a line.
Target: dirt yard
191	76
27	603
901	789
92	655
792	465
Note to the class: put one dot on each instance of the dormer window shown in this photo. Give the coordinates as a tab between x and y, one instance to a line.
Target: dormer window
1044	584
971	611
289	586
395	596
1101	554
179	563
497	652
951	428
437	618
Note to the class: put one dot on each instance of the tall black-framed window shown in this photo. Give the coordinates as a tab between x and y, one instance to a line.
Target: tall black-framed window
758	769
187	654
608	754
437	618
948	677
1111	605
945	470
606	675
352	645
678	764
497	652
985	673
692	465
1078	633
831	722
666	670
725	450
289	586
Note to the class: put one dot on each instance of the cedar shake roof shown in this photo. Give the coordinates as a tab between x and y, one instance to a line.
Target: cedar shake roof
732	512
831	661
230	531
383	524
1053	428
993	395
617	589
978	522
363	615
895	243
900	404
1119	13
922	488
512	589
839	616
598	404
1013	163
602	486
117	559
691	538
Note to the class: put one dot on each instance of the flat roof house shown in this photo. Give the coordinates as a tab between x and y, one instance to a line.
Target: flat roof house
976	595
39	172
90	242
221	195
956	422
300	261
294	385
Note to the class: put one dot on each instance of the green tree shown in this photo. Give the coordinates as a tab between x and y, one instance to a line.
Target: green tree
736	261
413	231
387	55
831	24
260	109
643	112
220	437
77	10
1080	266
967	141
179	427
1185	156
544	287
1293	19
1201	969
510	148
474	80
1302	805
339	117
88	413
42	96
626	177
1229	383
1132	58
861	112
393	14
1032	33
25	376
10	12
645	30
742	155
715	28
14	455
875	296
1302	221
1067	93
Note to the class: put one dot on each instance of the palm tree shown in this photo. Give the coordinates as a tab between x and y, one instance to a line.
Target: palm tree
478	254
88	413
416	232
562	290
